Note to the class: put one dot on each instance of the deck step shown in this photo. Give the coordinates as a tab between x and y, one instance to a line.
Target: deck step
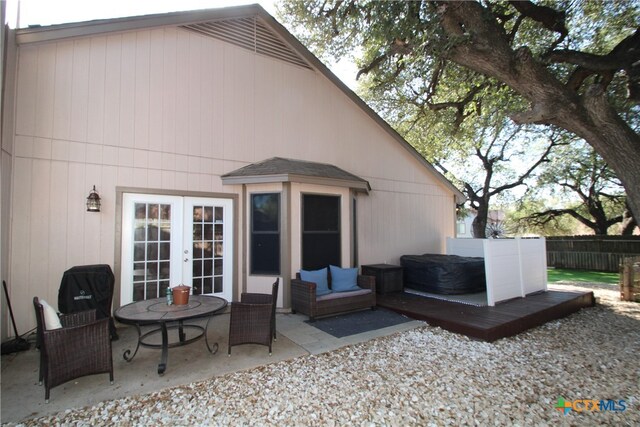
489	323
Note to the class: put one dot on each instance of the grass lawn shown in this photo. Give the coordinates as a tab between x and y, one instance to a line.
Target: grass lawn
559	274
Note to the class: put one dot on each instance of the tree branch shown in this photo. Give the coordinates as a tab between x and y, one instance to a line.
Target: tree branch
538	114
541	218
551	19
459	105
625	56
543	158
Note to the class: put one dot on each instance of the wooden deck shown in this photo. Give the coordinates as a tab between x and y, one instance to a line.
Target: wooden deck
488	323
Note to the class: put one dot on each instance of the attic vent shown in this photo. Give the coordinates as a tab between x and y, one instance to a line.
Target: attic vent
252	34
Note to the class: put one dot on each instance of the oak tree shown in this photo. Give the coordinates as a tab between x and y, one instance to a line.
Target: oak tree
574	65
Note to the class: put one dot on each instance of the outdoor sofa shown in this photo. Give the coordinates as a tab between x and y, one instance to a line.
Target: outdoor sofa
304	298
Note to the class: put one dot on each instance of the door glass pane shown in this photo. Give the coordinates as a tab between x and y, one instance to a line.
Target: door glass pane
151	250
165	251
208	214
207	285
208	245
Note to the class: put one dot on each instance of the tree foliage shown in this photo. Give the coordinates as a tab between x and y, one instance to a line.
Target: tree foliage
460	66
590	191
498	159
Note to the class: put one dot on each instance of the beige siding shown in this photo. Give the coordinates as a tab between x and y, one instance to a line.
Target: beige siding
170	109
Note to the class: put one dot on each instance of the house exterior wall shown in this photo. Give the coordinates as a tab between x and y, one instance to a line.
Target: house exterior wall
170	109
8	53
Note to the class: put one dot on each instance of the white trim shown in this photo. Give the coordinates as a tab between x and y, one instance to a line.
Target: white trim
181	241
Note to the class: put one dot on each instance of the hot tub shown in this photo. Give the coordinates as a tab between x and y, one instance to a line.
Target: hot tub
444	274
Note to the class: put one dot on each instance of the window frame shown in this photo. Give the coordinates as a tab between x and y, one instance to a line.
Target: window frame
277	232
304	232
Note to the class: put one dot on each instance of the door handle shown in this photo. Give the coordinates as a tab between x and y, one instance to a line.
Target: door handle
186	259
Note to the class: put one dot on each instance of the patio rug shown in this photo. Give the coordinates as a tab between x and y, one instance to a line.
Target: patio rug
358	322
478	299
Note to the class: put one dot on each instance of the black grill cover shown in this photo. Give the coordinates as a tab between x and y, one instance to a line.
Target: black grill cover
87	287
444	274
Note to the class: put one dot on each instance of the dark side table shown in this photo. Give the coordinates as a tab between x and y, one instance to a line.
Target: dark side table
388	277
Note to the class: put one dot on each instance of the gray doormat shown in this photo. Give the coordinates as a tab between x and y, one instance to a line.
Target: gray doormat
478	299
358	322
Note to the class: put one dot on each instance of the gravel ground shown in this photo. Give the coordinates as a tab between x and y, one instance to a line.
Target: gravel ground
426	376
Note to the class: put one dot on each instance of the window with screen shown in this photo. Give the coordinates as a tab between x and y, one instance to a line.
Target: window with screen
320	231
265	234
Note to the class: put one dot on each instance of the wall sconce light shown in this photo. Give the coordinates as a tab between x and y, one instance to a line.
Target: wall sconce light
93	201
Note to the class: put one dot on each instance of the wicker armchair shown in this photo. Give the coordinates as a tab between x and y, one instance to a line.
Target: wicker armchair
253	319
81	347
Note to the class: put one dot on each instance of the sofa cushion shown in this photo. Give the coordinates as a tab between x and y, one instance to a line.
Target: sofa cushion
319	277
344	279
337	295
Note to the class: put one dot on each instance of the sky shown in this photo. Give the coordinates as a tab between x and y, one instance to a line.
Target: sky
51	12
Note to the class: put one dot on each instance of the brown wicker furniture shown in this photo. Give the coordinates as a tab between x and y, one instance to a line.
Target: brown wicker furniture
388	277
157	312
253	319
81	347
305	301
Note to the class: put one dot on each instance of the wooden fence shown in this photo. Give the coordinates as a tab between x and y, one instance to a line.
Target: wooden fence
599	253
630	279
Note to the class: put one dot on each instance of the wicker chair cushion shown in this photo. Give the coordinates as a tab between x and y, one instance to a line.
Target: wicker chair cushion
338	295
344	279
51	319
319	277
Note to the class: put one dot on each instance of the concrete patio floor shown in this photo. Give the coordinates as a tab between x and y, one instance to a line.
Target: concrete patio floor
22	397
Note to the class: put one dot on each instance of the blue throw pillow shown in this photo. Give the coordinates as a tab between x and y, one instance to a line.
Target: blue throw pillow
319	277
344	279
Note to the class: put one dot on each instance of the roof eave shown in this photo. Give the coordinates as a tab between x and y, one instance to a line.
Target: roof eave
362	186
87	28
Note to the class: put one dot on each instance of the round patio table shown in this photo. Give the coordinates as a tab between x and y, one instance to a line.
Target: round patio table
157	312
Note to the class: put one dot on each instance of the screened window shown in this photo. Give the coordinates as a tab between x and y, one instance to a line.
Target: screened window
265	233
320	231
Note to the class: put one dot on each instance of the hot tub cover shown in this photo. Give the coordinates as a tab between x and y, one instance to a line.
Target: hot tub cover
444	274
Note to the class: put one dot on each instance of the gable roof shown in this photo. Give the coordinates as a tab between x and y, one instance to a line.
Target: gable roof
278	169
257	31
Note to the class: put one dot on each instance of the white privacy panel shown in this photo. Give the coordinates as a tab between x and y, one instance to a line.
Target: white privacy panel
533	264
502	270
465	247
513	267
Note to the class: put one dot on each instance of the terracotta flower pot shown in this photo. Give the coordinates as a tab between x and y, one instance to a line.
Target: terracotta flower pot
181	294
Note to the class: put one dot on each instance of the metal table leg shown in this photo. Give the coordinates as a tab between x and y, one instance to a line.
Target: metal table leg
127	352
165	349
214	348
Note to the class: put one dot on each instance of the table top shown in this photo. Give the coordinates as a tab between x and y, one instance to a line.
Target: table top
383	266
156	310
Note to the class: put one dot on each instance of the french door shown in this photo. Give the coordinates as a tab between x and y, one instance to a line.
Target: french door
172	240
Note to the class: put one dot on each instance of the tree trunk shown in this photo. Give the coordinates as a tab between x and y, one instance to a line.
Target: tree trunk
479	224
628	224
481	45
